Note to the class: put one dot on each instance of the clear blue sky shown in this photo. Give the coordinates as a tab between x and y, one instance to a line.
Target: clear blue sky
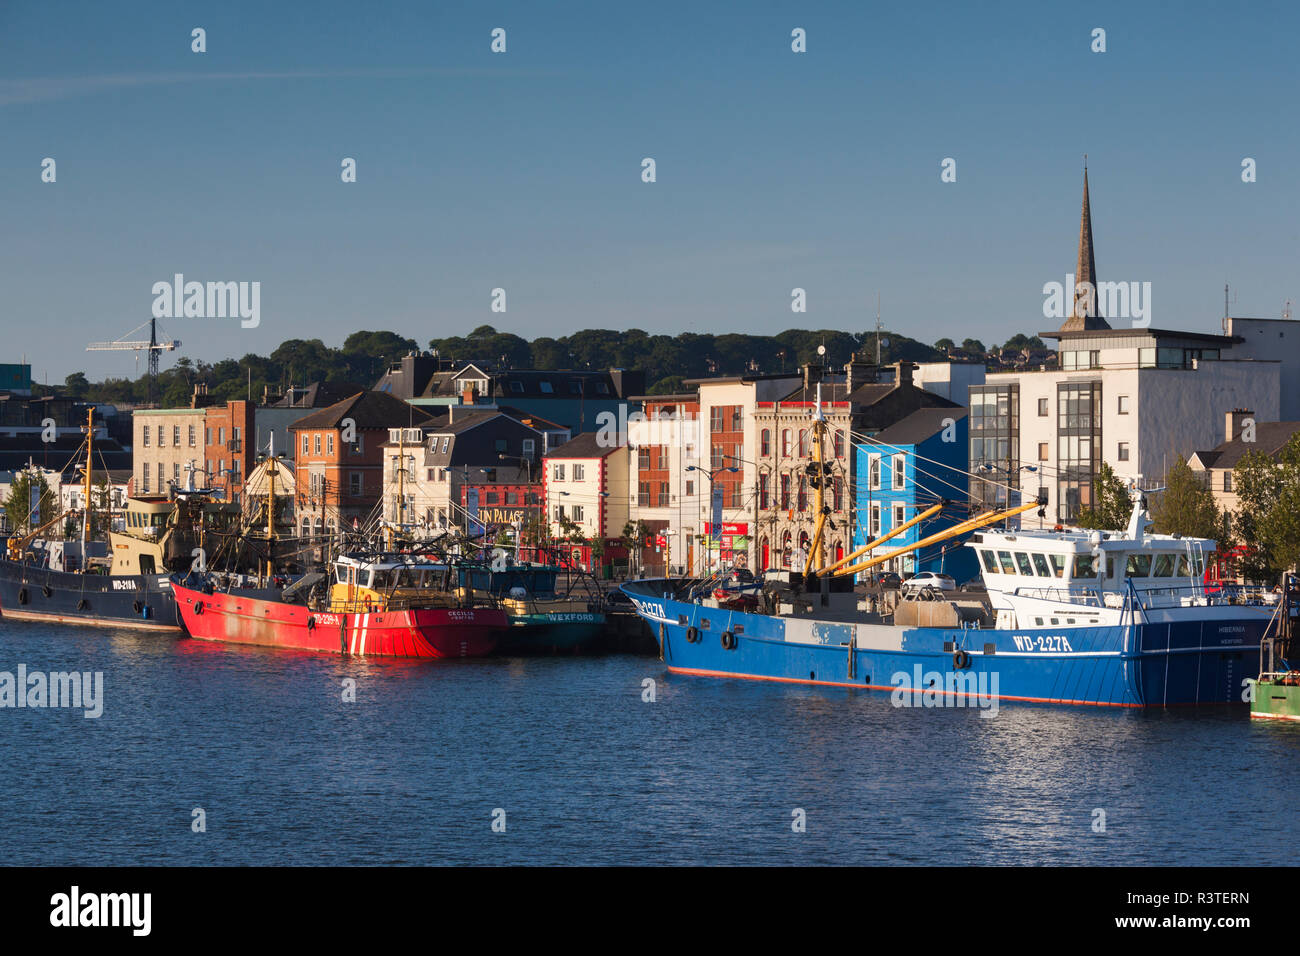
522	170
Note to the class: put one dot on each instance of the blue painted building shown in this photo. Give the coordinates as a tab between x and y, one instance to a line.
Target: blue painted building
905	469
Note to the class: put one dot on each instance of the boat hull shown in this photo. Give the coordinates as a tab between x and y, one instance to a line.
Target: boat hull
1276	699
552	632
1160	661
240	618
143	602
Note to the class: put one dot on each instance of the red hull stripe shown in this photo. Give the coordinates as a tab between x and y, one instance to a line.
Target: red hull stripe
697	672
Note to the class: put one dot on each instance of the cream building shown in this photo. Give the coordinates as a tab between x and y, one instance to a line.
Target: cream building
164	442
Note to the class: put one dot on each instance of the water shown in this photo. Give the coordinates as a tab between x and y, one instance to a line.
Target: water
587	772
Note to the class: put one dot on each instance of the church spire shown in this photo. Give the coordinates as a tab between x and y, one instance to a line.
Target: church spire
1086	313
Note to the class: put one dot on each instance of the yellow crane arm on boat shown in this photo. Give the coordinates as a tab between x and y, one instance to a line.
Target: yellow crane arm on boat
816	540
973	524
850	558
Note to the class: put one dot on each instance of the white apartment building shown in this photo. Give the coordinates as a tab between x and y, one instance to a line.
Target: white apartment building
664	490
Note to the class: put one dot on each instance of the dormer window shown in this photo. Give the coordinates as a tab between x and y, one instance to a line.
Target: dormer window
546	387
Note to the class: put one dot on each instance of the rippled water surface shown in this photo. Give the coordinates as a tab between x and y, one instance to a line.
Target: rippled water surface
586	772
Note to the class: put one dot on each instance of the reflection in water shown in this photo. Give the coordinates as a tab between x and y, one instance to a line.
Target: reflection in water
710	772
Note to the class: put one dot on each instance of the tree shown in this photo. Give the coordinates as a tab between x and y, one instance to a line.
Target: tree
1112	504
974	346
22	518
1186	506
1268	519
945	344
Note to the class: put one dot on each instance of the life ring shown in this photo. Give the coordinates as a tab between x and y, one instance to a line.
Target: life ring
82	604
311	623
960	660
22	595
692	634
46	590
136	606
728	641
198	607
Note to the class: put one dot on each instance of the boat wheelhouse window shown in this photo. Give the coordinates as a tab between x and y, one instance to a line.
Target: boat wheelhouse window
1040	565
1110	565
1038	621
1058	565
990	561
1083	566
340	574
1022	560
1198	564
1184	569
1008	564
1138	565
1163	566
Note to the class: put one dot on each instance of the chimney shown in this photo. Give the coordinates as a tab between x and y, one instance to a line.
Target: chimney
903	374
858	372
1232	422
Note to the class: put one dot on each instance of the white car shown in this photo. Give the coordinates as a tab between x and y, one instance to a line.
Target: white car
928	579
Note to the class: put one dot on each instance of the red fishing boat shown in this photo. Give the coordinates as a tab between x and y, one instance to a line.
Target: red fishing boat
386	608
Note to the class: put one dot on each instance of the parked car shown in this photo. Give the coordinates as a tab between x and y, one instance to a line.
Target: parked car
887	579
929	579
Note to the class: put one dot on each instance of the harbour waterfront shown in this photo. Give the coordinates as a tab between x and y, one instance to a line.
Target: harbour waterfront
710	772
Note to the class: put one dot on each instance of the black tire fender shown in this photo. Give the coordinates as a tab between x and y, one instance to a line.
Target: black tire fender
198	607
692	633
22	595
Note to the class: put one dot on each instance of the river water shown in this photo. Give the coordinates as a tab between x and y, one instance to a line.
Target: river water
573	764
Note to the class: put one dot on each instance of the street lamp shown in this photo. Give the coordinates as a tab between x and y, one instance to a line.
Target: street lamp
714	497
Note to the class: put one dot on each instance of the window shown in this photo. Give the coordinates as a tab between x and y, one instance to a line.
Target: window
546	387
517	386
899	472
994	443
144	475
354	483
557	473
785	443
1040	566
579	472
1078	407
899	520
306	444
643	494
1083	566
1164	566
762	492
1042	408
1123	404
1058	565
193	435
873	471
990	561
221	436
765	442
329	443
575	386
1022	563
1138	565
500	444
577	512
643	458
207	436
176	436
162	436
838	444
663	498
316	443
146	436
176	470
1042	451
785	492
875	521
1123	451
1227	481
803	493
1008	563
529	447
690	488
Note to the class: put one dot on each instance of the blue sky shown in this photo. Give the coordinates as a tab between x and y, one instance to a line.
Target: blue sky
522	170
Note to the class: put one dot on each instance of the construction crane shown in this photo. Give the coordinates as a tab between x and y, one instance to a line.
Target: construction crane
153	347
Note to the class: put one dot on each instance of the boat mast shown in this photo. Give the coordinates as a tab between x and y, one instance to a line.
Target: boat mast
818	477
271	472
85	520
